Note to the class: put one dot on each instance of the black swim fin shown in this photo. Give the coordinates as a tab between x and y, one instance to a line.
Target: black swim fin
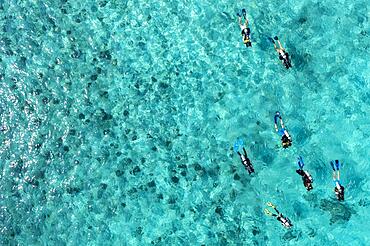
270	39
244	13
276	38
238	14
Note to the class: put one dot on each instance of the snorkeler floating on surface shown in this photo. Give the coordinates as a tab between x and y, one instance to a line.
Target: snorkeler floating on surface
306	177
283	55
286	140
243	157
246	162
339	189
279	216
246	31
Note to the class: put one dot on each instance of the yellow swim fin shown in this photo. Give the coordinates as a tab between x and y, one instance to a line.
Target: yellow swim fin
270	204
267	212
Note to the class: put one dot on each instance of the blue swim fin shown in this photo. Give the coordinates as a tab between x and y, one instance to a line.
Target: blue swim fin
277	115
238	144
332	165
337	164
300	162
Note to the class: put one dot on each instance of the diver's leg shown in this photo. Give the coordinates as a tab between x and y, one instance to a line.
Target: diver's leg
281	47
245	153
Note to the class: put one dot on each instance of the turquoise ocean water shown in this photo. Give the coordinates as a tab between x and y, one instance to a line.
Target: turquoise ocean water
118	120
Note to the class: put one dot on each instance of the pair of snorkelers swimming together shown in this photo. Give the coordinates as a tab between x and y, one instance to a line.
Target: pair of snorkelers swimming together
285	139
307	179
246	34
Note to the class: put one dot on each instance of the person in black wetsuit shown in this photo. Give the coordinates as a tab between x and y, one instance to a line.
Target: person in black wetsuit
285	221
286	139
338	189
306	177
283	55
246	162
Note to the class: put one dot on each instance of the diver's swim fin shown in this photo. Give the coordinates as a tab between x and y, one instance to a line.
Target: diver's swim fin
238	14
238	144
244	13
271	40
277	114
270	204
276	38
300	162
337	164
332	165
267	212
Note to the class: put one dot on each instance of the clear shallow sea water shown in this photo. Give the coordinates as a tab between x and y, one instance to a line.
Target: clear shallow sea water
118	120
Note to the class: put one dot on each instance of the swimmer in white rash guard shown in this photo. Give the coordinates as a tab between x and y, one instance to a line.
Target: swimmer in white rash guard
246	31
338	189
